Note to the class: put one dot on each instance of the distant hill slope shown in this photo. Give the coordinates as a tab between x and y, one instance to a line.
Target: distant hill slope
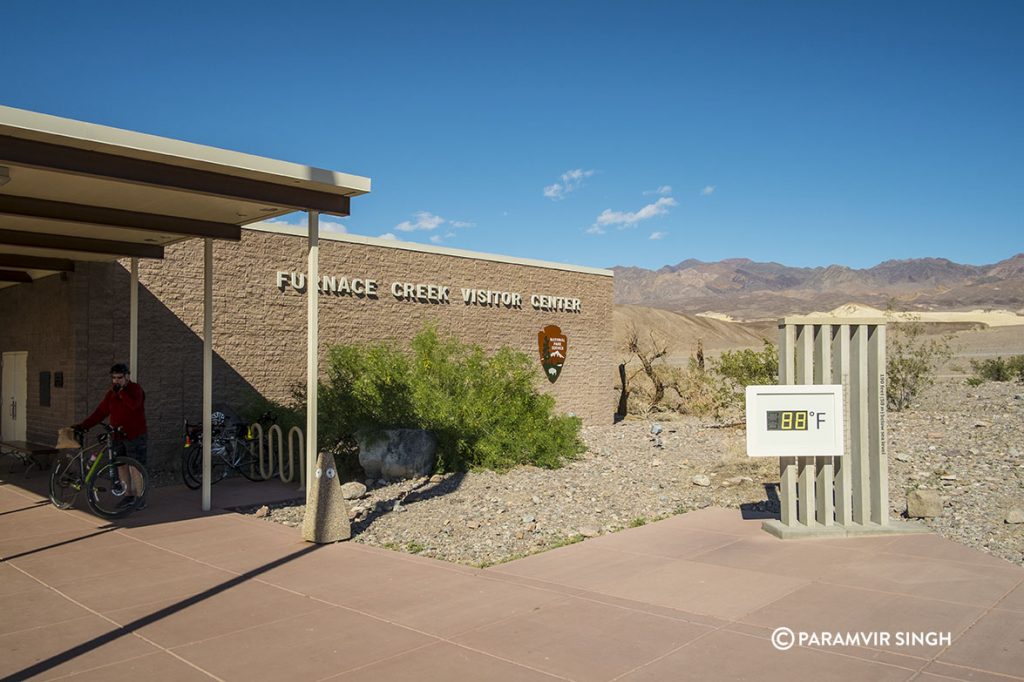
682	331
751	290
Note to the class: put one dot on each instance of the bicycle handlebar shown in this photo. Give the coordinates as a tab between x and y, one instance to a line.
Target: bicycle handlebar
109	432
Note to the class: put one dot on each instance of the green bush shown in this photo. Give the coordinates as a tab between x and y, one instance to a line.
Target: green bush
485	411
285	415
998	369
749	367
911	362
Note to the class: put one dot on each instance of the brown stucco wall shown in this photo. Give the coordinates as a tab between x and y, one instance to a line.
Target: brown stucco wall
260	329
37	318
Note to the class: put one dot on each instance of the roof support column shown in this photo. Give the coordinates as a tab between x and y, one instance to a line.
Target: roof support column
133	322
312	344
207	368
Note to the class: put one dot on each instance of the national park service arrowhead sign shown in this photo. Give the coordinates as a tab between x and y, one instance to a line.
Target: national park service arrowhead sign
553	345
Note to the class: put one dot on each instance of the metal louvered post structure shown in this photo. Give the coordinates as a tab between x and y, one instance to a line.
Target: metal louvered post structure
848	495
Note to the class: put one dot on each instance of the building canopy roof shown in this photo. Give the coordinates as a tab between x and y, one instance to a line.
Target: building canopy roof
73	191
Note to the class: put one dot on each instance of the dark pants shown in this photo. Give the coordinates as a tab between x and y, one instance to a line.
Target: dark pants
134	448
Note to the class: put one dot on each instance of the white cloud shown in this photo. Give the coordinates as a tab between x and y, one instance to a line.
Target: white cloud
427	221
388	235
424	220
332	226
708	189
595	229
300	220
571	181
664	189
437	238
658	235
625	219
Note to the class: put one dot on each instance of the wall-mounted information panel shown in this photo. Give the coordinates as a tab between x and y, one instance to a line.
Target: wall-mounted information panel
795	421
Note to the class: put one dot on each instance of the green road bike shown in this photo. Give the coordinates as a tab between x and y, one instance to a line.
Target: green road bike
114	485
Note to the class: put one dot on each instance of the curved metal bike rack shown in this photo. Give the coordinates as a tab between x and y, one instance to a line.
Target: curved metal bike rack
265	455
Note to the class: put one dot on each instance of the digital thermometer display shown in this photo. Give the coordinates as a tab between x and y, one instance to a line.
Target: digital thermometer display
787	420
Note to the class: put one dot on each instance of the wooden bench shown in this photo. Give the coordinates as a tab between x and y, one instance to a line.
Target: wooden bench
28	453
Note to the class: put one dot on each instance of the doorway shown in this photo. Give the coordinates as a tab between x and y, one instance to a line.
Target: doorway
15	396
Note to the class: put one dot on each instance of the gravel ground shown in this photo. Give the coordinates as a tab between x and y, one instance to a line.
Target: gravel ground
964	441
968	443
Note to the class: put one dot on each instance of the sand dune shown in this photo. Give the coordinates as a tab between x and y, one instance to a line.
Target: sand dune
991	318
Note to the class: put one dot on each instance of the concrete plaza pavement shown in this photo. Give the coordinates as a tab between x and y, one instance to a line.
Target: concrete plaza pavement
171	593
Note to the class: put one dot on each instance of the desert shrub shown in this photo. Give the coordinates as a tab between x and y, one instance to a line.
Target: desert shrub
484	410
749	367
713	388
911	362
647	396
645	387
703	393
998	369
1016	367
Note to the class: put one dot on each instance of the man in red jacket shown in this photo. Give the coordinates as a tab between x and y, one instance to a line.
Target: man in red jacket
125	404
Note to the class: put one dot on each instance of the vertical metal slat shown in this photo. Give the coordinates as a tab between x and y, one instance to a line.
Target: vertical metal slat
877	453
787	465
843	468
806	471
859	436
824	486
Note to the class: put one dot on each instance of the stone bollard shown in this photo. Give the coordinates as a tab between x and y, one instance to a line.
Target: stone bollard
326	518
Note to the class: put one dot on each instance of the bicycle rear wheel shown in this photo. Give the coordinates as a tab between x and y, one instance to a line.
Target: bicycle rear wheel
192	467
110	490
65	481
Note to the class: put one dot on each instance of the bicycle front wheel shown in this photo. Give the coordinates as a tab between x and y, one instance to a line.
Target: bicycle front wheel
116	487
245	462
65	481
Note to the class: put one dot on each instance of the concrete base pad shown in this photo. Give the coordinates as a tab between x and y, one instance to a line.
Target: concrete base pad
798	532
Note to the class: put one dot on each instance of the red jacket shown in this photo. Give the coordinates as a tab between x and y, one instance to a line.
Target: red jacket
126	408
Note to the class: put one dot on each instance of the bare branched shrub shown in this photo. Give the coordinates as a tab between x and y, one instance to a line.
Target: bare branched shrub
649	351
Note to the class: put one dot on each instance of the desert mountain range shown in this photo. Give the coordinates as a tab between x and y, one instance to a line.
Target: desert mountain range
750	290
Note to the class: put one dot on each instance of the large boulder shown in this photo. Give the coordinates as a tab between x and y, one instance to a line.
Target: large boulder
924	504
353	490
397	453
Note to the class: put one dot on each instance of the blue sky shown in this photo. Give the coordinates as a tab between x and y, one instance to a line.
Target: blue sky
596	133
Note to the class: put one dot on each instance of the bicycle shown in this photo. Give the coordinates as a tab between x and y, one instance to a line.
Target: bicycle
230	450
105	476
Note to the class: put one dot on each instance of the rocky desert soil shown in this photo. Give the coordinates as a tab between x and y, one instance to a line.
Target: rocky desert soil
966	442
